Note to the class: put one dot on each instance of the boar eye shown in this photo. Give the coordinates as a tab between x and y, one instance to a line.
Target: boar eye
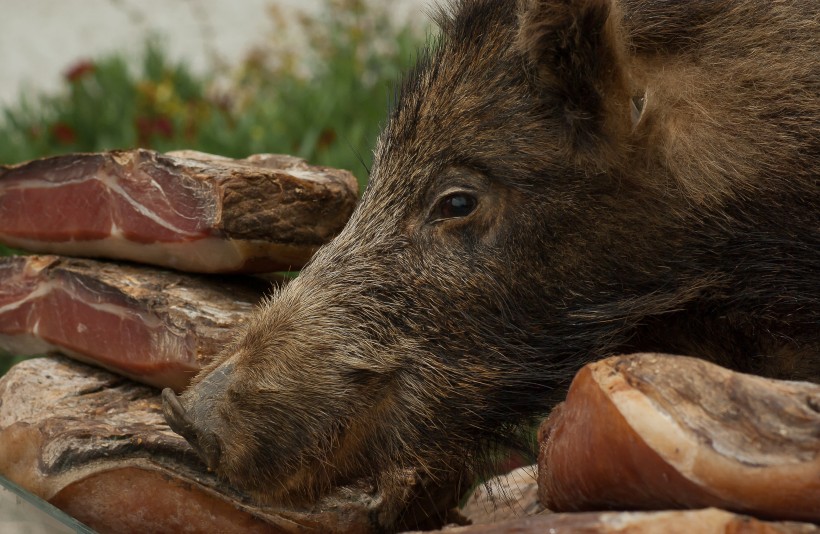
456	205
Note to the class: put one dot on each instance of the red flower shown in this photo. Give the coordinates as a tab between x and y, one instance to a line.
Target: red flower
63	133
79	70
163	126
326	138
148	127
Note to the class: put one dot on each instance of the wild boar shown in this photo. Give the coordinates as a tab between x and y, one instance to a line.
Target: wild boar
558	181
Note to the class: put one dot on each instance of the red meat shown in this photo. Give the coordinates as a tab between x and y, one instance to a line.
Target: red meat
185	210
156	326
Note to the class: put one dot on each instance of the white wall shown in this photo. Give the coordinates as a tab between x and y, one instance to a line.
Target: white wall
39	39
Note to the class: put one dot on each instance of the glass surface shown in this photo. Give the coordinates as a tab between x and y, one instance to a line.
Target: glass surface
24	513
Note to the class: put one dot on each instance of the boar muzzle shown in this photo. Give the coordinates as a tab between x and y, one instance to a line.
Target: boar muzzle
192	414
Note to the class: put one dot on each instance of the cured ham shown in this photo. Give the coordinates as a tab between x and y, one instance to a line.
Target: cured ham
155	326
185	210
652	431
503	497
710	520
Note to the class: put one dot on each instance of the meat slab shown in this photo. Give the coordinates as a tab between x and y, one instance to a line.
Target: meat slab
652	431
503	497
95	445
185	210
708	521
156	326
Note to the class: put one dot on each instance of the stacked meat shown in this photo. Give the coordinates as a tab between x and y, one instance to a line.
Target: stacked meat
187	211
79	437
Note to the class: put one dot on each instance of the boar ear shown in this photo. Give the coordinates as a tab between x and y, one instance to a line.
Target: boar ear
573	56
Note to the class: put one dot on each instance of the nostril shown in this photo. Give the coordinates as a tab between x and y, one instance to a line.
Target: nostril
171	408
204	441
175	414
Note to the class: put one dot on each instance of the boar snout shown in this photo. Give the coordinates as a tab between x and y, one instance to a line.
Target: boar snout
192	414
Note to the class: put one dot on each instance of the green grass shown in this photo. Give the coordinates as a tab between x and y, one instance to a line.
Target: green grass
325	104
7	361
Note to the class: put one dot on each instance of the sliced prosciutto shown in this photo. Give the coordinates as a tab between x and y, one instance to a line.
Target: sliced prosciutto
186	210
156	326
653	431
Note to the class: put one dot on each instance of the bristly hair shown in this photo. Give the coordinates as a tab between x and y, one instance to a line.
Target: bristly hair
463	26
467	21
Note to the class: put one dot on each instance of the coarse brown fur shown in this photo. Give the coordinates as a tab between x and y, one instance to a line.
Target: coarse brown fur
646	178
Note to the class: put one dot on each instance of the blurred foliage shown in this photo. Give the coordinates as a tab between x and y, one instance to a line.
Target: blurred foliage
322	99
318	89
7	361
